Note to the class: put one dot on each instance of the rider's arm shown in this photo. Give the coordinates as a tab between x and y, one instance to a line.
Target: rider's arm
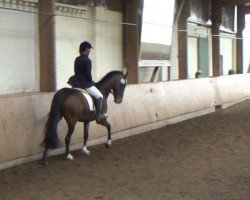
88	70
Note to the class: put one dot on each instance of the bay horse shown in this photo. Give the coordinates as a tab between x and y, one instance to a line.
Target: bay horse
71	104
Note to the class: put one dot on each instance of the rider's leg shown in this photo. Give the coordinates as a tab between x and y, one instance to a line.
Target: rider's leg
98	97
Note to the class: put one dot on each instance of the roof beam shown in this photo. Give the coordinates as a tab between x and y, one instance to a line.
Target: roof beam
215	29
233	2
47	46
247	9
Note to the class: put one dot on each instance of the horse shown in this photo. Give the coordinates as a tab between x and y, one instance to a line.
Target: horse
72	105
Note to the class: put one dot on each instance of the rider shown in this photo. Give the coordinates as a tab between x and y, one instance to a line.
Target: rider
83	78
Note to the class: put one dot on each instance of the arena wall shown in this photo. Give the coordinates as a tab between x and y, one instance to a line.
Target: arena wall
145	107
18	52
19	43
106	38
195	32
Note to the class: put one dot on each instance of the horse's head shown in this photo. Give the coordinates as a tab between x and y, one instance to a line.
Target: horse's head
118	88
114	82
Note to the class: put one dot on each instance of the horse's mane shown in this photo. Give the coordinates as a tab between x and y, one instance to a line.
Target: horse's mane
108	76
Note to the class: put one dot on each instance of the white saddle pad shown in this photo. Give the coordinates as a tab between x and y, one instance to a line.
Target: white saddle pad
88	98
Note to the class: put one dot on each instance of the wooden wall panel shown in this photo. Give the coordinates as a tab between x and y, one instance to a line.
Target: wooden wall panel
23	117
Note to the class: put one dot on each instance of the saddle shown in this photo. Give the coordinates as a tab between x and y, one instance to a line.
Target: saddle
94	105
73	83
88	98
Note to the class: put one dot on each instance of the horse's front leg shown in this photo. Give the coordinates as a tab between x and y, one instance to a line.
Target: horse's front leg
85	138
108	126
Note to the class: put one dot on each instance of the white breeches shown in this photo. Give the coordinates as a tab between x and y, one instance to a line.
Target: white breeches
94	92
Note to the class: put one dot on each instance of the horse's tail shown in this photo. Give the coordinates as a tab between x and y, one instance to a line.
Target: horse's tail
51	140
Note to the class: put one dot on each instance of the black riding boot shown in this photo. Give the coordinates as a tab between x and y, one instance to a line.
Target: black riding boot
98	107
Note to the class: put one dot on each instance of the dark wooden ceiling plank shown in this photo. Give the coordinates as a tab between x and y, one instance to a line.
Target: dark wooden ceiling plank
233	2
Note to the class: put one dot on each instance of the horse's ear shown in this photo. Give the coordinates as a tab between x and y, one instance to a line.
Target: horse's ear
126	75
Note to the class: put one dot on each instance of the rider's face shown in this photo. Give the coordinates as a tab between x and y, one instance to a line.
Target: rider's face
88	51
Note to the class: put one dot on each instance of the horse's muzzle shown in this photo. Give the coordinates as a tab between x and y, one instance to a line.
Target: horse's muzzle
118	100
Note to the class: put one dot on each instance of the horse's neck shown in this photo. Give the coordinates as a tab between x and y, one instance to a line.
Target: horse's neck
105	89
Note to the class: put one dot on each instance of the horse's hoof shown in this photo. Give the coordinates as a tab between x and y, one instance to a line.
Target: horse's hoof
85	151
69	157
44	162
108	144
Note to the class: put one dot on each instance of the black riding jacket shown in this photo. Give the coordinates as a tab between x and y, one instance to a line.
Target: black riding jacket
83	68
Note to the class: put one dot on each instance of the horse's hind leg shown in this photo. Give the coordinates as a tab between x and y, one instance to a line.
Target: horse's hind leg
45	157
71	128
108	126
85	138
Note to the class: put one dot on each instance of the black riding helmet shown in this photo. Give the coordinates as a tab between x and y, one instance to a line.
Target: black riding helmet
85	45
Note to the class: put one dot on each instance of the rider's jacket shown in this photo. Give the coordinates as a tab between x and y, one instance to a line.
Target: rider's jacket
82	68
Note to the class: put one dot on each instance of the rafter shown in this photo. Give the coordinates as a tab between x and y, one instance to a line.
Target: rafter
247	9
233	2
